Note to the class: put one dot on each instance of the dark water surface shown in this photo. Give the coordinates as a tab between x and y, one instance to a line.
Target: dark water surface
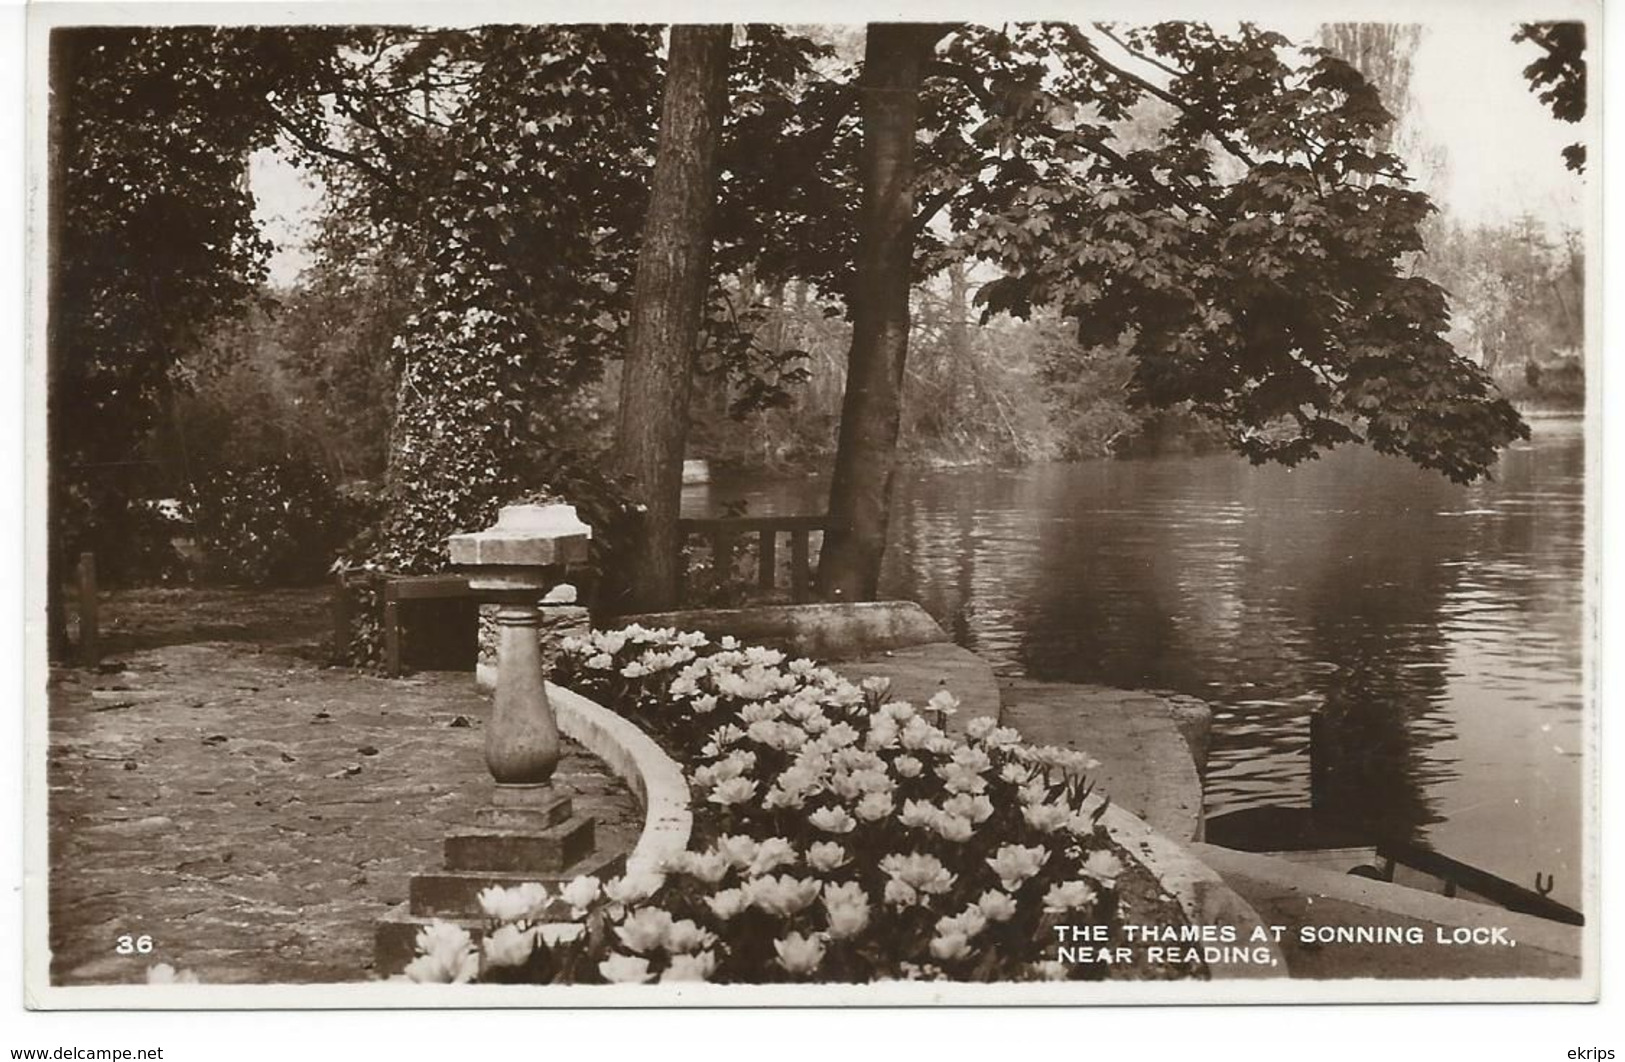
1438	627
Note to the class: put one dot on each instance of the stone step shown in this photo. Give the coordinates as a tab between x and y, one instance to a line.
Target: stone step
534	852
395	941
525	820
455	894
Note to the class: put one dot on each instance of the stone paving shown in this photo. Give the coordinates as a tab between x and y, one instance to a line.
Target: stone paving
255	813
1148	748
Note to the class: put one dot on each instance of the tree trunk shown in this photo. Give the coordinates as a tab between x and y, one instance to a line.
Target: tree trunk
866	454
674	267
63	56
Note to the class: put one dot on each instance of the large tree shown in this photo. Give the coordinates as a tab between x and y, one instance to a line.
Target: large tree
1252	259
1558	76
152	243
668	299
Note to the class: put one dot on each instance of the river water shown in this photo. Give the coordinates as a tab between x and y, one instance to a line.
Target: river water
1439	628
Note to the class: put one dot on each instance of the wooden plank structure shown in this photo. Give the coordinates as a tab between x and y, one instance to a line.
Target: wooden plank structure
90	650
399	589
725	532
396	590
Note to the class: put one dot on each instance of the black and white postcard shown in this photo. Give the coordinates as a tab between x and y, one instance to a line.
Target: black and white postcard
1090	507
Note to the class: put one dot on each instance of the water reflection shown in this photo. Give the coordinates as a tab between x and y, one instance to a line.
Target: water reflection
1437	627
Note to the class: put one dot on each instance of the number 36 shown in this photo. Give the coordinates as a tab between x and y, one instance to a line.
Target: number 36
128	945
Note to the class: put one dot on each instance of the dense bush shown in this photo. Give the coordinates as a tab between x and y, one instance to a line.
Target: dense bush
267	524
839	836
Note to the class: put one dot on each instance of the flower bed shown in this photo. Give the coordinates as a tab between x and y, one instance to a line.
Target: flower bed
838	836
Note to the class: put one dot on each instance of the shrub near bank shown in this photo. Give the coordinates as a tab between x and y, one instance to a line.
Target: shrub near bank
275	523
839	836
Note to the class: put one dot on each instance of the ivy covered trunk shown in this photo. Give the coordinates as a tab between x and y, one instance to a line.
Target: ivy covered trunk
673	271
866	455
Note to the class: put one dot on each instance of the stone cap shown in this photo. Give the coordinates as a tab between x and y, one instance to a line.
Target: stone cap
528	535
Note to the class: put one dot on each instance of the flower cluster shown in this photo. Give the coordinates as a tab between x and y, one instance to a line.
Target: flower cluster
840	835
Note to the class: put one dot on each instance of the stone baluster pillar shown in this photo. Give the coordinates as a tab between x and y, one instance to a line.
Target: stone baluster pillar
515	562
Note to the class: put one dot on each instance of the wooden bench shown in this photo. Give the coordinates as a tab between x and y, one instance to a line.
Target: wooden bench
396	590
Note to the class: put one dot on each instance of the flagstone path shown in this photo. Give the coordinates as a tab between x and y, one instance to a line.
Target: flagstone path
254	813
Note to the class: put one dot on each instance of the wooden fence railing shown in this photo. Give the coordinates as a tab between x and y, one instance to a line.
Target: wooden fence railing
725	533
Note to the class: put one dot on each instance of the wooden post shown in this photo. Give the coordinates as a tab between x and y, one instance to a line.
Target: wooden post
392	632
800	564
722	556
341	616
90	652
767	544
680	565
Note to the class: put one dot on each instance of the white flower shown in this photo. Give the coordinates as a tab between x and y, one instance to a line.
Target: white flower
771	854
1046	818
840	735
696	967
950	947
733	791
955	828
165	974
686	936
825	856
900	893
882	735
898	712
702	705
448	955
709	867
876	686
1103	866
875	806
1015	863
520	903
625	969
977	808
1051	970
958	778
738	849
847	906
1016	773
635	886
799	953
778	797
727	903
919	814
1005	737
967	923
996	906
943	703
600	662
918	734
509	946
443	937
981	727
582	890
907	766
721	738
760	712
443	968
783	895
645	930
1069	896
833	820
923	872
